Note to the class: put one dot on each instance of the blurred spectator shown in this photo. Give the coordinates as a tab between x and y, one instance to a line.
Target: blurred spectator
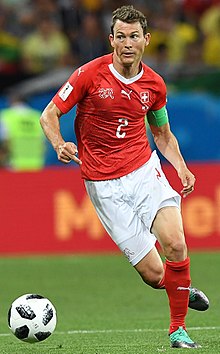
192	66
161	64
72	13
172	36
90	41
42	36
22	145
17	11
193	9
23	14
210	25
9	53
46	49
182	35
209	21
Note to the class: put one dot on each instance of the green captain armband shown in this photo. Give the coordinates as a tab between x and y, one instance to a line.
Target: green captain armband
158	118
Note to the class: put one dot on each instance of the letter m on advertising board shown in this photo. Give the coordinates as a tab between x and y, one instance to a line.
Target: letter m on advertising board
71	216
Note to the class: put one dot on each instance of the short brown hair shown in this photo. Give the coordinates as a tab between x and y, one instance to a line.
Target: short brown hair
129	14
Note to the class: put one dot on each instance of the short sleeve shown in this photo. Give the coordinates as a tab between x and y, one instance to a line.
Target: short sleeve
73	90
160	95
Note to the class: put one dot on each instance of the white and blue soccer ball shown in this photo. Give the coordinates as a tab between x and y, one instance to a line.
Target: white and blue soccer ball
32	318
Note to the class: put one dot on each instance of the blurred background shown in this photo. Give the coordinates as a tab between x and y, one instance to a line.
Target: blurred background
43	204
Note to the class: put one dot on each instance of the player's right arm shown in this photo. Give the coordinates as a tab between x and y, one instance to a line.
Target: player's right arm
50	123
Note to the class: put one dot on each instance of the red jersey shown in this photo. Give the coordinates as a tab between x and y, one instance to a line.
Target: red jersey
110	118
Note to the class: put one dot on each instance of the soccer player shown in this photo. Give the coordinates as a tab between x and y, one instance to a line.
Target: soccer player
123	177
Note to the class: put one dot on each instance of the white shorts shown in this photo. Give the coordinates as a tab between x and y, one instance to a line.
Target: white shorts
128	205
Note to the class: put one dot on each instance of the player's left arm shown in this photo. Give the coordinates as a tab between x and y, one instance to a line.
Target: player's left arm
168	145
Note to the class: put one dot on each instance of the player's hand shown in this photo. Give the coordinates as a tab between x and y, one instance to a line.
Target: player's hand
68	152
188	181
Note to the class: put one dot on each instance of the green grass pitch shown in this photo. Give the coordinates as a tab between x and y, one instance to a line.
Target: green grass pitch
103	307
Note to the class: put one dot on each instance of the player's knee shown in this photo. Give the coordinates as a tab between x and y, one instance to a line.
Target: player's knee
175	249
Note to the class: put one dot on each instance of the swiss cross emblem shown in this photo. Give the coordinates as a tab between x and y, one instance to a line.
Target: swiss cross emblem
145	97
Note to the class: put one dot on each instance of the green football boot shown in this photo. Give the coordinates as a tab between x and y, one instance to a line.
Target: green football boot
180	339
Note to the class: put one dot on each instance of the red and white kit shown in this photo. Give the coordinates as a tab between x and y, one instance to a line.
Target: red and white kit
109	141
123	177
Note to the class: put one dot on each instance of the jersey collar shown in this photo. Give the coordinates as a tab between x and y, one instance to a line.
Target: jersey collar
122	78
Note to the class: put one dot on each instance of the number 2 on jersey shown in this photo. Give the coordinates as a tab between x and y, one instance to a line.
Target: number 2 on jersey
124	123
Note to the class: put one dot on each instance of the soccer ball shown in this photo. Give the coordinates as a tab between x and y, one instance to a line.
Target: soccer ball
32	318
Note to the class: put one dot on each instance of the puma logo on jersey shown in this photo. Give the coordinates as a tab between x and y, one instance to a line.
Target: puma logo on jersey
80	71
123	92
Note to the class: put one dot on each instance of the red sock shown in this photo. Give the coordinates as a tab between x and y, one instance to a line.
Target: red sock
176	279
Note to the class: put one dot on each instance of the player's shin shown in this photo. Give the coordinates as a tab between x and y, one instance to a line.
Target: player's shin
177	282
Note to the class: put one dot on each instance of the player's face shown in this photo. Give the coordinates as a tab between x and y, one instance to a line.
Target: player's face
129	42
